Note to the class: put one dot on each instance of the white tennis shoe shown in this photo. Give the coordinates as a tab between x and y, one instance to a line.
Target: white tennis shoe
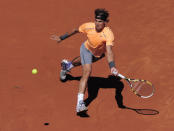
81	107
66	67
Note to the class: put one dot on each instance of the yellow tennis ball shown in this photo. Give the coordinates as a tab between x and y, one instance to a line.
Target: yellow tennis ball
34	71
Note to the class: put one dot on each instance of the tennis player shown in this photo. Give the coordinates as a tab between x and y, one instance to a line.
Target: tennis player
100	40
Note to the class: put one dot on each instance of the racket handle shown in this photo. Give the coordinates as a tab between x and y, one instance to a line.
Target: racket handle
121	76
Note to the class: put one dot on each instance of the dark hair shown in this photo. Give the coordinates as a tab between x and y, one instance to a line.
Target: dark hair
101	14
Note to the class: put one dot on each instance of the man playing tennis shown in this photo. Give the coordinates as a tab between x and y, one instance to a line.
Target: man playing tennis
100	41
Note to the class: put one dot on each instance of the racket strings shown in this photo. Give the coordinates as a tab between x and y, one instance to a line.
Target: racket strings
142	88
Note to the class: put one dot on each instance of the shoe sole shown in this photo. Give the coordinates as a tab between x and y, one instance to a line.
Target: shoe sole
83	110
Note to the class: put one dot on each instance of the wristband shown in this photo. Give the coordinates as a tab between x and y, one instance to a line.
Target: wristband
64	36
111	64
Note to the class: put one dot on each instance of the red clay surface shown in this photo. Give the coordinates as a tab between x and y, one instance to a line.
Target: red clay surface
144	49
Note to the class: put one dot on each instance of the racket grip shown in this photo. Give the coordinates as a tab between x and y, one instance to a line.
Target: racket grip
121	76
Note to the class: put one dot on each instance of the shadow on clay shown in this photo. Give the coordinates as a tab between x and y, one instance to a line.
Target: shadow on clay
95	83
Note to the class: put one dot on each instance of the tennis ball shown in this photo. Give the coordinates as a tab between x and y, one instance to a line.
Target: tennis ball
34	71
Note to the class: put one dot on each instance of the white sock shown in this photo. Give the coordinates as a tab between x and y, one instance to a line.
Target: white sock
80	97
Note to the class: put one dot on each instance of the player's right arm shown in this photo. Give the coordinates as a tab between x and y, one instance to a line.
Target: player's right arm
64	36
83	28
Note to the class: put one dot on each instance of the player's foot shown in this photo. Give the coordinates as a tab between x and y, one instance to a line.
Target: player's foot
81	107
66	67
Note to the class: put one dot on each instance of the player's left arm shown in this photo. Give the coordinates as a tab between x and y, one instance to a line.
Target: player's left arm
110	59
109	52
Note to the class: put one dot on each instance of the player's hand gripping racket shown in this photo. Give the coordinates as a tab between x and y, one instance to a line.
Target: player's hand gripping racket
141	88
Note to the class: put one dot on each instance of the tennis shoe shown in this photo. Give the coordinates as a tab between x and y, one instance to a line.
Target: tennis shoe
81	107
66	66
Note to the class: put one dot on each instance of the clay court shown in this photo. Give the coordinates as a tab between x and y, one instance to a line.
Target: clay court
144	48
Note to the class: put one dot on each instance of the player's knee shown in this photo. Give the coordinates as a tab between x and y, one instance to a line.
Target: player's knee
86	74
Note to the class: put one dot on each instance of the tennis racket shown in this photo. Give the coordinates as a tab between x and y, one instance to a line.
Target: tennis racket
141	88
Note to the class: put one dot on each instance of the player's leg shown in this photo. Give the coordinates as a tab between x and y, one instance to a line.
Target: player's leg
77	60
87	68
68	65
86	61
